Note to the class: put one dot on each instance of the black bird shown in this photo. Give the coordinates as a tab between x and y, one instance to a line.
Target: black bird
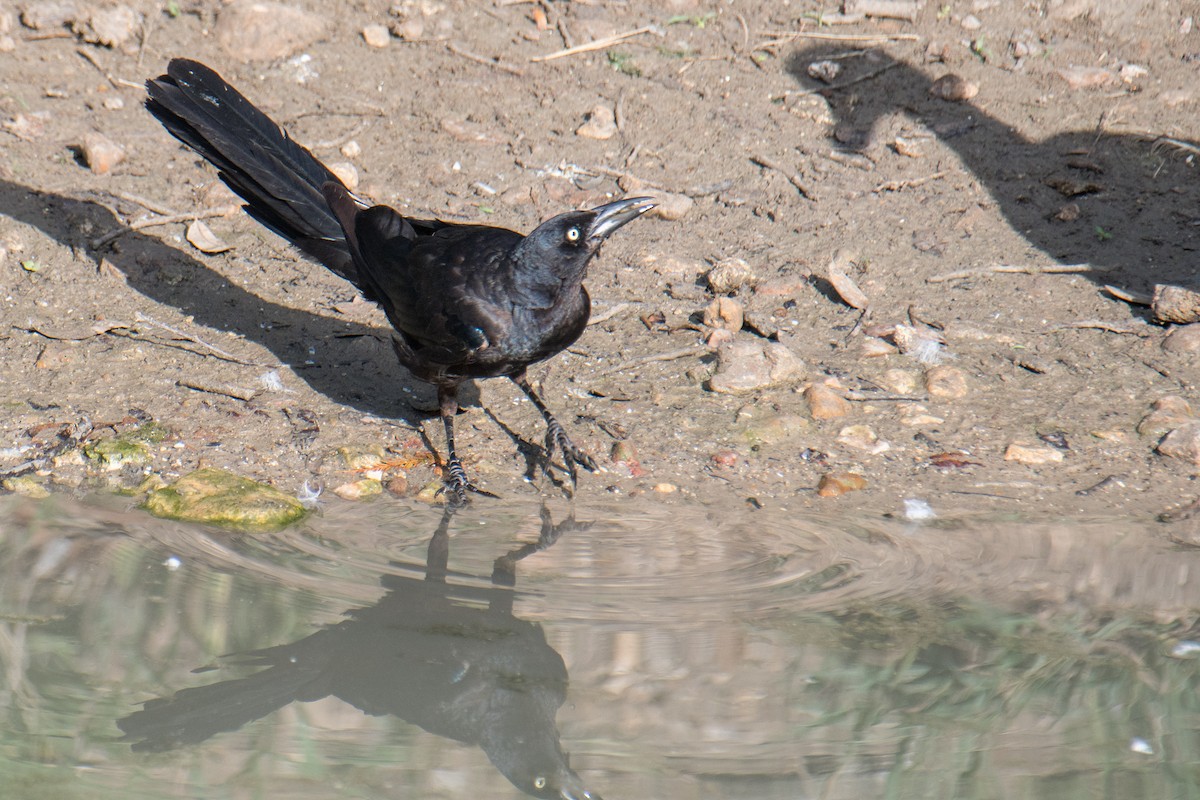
450	658
467	301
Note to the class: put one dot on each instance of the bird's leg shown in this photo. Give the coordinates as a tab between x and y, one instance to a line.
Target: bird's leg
456	480
555	435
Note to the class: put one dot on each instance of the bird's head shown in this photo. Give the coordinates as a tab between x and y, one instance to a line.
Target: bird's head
559	784
567	242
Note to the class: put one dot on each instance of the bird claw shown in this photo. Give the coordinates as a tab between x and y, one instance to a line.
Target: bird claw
457	485
556	437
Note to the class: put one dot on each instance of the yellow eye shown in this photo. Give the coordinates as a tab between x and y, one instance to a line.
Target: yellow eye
572	236
539	782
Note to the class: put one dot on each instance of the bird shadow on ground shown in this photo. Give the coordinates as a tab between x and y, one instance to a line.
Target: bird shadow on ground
1127	204
364	378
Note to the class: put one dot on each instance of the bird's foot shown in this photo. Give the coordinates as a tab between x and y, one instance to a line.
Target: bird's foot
458	486
556	437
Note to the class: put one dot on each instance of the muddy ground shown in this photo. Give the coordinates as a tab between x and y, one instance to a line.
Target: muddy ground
1078	149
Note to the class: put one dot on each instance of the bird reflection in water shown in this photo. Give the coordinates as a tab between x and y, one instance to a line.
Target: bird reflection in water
450	659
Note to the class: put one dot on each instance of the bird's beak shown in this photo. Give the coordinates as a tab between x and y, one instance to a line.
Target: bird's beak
611	216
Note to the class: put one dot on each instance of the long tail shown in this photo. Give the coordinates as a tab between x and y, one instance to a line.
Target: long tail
279	180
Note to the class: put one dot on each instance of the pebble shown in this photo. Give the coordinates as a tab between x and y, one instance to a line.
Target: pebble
752	365
1182	444
1032	454
788	286
397	485
875	348
346	172
112	26
250	30
725	458
953	88
825	402
671	205
843	284
1086	77
835	484
100	153
730	275
724	312
919	417
1184	339
947	383
1166	413
360	490
217	497
352	149
601	124
900	381
410	30
377	35
970	23
862	437
1175	304
773	429
48	14
666	488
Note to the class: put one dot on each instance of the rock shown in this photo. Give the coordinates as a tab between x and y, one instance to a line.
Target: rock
377	35
825	402
953	88
922	343
410	30
1166	413
730	275
673	265
1182	444
26	486
115	454
919	417
1086	77
875	348
666	488
862	437
351	149
346	172
835	484
824	71
970	23
1175	304
1184	339
1032	454
265	31
788	286
671	205
216	497
773	429
900	381
48	14
397	485
601	124
724	312
100	153
749	366
367	461
112	26
364	489
725	458
843	284
947	383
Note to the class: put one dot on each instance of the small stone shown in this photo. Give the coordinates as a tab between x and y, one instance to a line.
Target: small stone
47	14
251	30
623	453
1086	77
601	124
753	365
432	493
216	497
410	30
7	43
718	338
1182	444
397	485
876	348
1032	454
773	429
1115	436
910	148
730	275
1175	304
725	458
724	312
673	265
825	402
862	437
1166	413
843	284
900	381
376	35
352	149
346	172
111	27
671	205
1184	339
363	489
953	88
919	417
368	461
26	486
835	484
920	342
970	23
100	153
113	103
665	488
824	71
947	383
116	454
781	287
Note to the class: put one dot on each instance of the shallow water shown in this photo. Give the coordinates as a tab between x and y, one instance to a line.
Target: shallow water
709	655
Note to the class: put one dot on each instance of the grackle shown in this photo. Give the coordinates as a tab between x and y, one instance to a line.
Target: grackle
467	301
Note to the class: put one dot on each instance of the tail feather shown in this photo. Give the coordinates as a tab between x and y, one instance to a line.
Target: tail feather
279	179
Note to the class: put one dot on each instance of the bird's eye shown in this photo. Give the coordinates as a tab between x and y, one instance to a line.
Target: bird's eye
573	234
539	782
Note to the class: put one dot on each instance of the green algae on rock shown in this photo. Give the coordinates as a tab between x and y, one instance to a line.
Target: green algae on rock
217	497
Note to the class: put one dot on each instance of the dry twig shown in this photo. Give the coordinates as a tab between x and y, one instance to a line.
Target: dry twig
220	211
1018	269
792	177
596	44
487	62
670	355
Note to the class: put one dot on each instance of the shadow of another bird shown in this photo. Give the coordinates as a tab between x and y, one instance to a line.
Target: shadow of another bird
1128	204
